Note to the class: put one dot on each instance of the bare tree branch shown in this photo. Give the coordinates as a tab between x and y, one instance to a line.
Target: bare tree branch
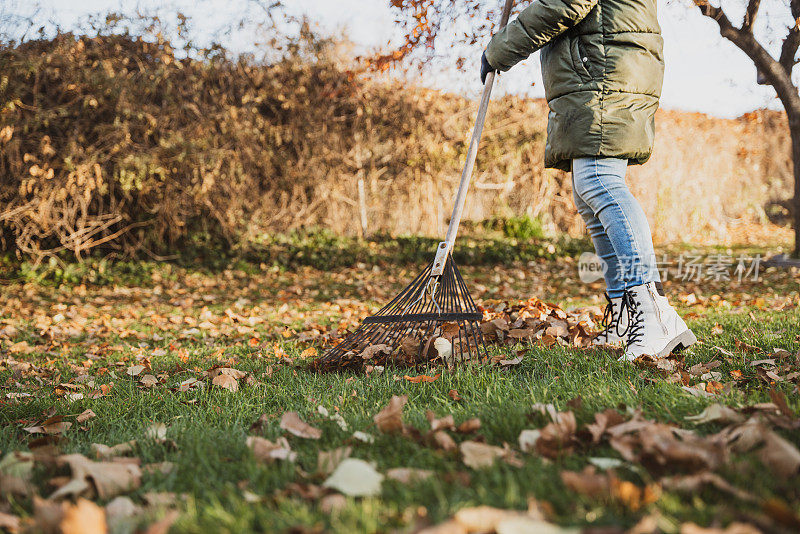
750	15
792	41
773	71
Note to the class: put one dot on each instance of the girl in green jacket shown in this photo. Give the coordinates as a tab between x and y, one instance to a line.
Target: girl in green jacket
603	67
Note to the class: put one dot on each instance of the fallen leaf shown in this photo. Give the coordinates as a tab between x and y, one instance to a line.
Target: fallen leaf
226	381
85	416
716	413
482	518
781	456
327	461
527	440
52	425
557	437
104	451
443	423
119	509
453	394
444	441
135	370
363	437
148	381
163	525
480	455
376	350
84	517
691	484
355	478
444	348
156	431
469	426
109	478
291	422
266	451
780	401
9	522
332	502
408	475
390	419
421	378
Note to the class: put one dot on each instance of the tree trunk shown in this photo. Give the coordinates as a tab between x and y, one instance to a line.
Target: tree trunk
794	129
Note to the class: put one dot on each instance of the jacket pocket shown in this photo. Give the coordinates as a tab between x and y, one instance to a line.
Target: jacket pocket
579	59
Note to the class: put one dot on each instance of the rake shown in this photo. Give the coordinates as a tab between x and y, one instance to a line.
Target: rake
435	316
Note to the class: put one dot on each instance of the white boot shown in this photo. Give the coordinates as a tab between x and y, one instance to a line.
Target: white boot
613	322
654	327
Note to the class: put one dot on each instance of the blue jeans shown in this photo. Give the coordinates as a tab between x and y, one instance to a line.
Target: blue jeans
616	222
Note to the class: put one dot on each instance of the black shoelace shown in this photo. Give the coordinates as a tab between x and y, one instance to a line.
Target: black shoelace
634	328
608	319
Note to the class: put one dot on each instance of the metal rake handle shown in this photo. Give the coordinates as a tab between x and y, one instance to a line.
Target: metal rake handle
466	175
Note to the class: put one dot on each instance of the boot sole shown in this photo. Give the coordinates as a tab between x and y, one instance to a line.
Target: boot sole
682	341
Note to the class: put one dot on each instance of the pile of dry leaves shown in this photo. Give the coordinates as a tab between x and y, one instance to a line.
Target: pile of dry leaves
503	323
74	481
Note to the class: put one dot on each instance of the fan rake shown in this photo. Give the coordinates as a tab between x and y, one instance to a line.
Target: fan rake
435	316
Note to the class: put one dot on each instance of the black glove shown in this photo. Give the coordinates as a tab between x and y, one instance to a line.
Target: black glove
486	68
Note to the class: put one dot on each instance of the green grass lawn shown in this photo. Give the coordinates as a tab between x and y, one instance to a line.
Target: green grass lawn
220	486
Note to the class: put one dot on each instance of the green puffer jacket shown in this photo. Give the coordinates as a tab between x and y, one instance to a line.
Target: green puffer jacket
602	65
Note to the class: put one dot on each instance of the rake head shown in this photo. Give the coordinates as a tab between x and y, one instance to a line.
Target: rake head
434	318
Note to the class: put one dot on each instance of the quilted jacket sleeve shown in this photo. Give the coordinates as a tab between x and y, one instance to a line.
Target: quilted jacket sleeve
537	25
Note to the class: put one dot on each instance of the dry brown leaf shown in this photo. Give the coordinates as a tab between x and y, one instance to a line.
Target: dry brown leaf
85	416
587	482
291	422
483	518
606	485
226	381
453	394
390	419
267	452
109	478
47	515
104	451
422	378
444	441
480	455
780	401
469	426
332	502
557	437
408	475
52	425
443	423
148	381
448	527
716	413
781	456
328	461
120	509
163	525
602	421
733	528
375	350
691	484
84	517
9	522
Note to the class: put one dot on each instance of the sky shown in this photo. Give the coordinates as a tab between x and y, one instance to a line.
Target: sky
704	72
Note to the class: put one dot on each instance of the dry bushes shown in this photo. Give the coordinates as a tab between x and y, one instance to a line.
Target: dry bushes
113	143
